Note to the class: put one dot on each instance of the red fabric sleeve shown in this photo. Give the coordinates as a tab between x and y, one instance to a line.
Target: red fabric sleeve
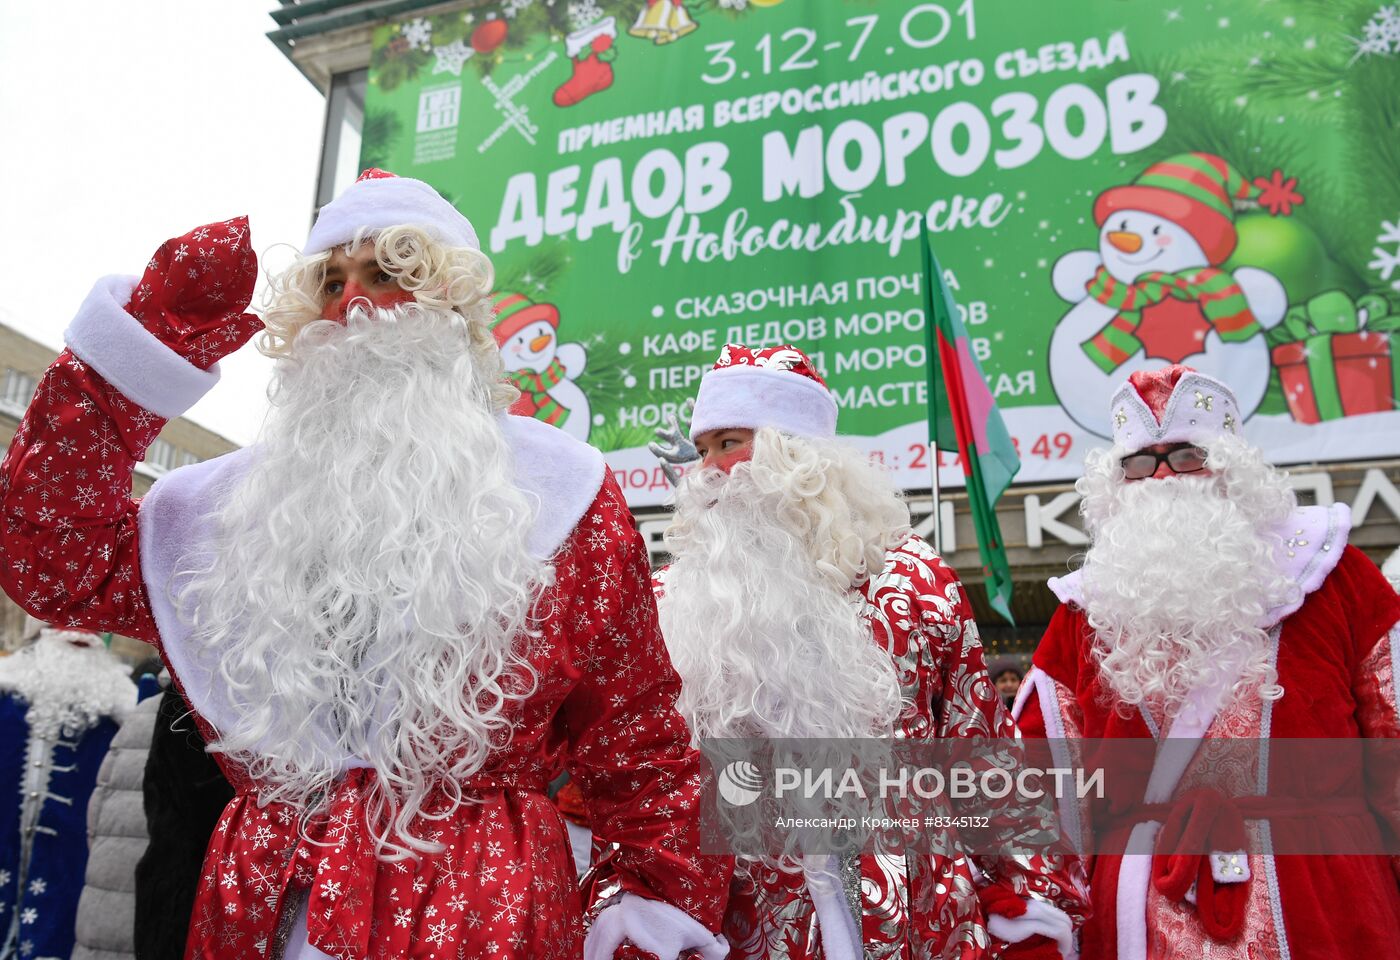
630	750
69	554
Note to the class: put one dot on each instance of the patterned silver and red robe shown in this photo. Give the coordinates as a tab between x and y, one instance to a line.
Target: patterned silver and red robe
77	550
914	906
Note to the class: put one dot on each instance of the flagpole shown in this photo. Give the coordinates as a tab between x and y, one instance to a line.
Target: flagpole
931	345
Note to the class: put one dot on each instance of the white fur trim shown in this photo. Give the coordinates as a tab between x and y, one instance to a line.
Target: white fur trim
836	927
147	372
1041	918
1069	588
1041	685
1134	874
1320	535
752	397
561	476
389	202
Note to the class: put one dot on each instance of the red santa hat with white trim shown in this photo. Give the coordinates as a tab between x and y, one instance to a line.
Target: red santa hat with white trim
777	387
378	200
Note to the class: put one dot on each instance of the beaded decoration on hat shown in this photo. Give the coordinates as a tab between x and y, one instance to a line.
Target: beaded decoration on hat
1176	404
773	358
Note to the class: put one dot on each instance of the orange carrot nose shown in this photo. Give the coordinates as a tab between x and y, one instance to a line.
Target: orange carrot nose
539	343
1127	242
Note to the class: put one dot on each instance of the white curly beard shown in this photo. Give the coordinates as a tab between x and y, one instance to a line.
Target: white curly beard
371	575
1179	579
69	688
765	644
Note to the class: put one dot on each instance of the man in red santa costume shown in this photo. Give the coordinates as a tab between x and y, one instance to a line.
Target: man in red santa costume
395	617
1210	605
800	605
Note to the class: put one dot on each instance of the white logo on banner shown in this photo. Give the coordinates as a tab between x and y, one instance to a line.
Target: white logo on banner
439	108
740	783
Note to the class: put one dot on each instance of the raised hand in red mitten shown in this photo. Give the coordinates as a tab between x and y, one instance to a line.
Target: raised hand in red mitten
195	290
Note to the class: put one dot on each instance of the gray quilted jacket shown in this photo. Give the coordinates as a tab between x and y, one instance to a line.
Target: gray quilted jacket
116	840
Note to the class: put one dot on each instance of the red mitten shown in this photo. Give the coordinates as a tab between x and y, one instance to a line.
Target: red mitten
195	290
998	899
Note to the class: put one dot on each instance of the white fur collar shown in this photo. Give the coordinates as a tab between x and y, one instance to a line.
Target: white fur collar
68	688
1310	546
559	474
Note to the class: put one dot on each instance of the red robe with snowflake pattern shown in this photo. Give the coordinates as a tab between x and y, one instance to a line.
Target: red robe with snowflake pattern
504	885
916	906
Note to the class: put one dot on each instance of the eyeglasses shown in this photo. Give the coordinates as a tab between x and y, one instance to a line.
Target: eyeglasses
1182	458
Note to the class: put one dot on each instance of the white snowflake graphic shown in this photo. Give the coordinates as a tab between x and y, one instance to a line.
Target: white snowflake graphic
29	915
511	907
38	886
1387	252
584	13
4	877
402	917
439	932
419	34
1380	36
451	57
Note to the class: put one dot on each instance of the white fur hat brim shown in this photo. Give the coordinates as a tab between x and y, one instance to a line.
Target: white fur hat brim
750	398
379	203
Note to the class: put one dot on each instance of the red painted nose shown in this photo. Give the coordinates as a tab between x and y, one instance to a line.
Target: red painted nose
338	304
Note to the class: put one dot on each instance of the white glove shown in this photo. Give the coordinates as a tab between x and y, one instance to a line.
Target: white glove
653	926
1040	918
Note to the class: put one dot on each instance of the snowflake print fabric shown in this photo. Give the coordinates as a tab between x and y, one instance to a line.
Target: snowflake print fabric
502	887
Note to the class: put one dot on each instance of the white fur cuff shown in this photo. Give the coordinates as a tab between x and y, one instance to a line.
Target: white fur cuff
147	372
1040	918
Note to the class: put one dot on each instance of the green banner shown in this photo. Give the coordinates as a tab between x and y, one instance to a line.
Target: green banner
1110	186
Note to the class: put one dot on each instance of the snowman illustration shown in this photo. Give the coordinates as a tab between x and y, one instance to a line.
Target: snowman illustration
1154	293
539	365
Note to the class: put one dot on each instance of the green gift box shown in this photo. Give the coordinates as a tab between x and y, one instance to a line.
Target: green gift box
1337	357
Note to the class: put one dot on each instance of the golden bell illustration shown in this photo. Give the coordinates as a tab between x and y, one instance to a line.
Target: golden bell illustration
653	20
680	23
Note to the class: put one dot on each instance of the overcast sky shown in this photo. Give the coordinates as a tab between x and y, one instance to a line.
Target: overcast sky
126	123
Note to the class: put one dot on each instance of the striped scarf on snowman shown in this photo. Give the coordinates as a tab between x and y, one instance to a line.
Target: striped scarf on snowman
1215	290
535	400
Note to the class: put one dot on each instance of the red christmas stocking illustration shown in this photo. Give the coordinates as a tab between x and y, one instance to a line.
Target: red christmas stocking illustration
592	73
